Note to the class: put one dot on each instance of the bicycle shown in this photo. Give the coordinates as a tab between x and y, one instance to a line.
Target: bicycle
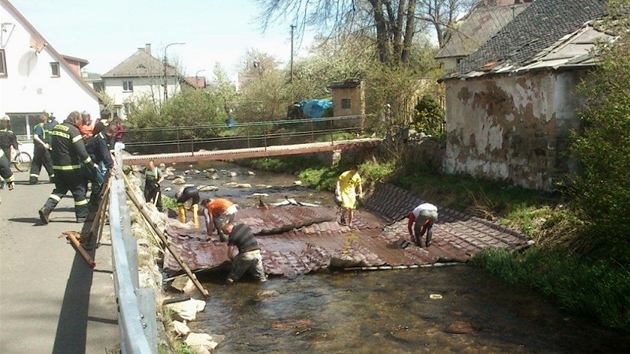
22	161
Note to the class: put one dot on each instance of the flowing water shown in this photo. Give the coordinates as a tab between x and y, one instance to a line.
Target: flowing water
404	311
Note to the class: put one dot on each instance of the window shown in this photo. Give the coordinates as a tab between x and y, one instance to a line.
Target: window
54	69
128	108
3	64
128	86
98	86
345	103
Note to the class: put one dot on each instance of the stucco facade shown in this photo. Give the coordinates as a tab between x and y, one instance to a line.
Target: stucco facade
348	98
512	127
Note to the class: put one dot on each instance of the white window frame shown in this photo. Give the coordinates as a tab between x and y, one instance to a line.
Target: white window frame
127	86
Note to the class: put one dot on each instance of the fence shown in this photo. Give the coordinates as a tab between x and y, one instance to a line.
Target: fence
242	135
136	307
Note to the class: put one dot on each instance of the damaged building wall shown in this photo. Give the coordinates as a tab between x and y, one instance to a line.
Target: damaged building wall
512	128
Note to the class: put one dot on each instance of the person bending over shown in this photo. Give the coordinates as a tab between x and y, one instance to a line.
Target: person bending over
422	218
249	258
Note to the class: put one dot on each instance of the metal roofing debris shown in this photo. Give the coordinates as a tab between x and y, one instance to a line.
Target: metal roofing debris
373	242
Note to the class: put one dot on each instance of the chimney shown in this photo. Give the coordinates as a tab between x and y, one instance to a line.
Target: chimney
147	48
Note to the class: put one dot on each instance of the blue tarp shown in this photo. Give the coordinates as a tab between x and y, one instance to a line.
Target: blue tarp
315	108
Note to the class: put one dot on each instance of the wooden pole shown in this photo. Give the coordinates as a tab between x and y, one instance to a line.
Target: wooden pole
164	239
102	218
71	235
102	208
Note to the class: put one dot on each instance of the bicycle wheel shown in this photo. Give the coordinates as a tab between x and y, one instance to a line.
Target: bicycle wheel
22	161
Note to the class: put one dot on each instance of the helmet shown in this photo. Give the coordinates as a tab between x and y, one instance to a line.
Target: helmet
5	117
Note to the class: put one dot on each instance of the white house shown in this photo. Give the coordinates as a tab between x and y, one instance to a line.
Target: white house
35	78
141	77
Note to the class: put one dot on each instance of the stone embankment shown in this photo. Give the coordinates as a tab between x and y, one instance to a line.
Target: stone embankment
172	318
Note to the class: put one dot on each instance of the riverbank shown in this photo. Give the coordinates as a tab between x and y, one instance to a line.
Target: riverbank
584	285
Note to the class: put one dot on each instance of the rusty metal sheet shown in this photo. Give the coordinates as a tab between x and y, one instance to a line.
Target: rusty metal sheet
372	242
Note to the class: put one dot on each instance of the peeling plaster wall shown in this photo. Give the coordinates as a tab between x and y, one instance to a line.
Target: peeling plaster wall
512	128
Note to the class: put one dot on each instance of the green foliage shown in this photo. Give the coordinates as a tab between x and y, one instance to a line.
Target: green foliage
596	288
428	116
601	196
169	202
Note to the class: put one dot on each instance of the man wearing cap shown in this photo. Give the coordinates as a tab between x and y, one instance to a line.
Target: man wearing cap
424	217
68	153
41	151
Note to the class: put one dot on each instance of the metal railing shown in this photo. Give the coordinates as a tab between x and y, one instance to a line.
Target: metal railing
242	135
136	307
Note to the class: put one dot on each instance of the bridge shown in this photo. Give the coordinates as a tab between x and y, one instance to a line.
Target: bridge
247	140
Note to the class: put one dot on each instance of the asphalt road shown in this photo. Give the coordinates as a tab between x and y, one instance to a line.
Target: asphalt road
50	300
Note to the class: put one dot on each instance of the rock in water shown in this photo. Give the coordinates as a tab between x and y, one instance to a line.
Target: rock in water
459	327
179	180
208	188
251	173
298	183
187	310
202	341
231	184
243	185
232	174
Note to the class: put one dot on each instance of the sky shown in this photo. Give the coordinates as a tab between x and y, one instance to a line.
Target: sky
108	32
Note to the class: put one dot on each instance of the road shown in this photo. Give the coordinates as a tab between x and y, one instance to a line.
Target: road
50	300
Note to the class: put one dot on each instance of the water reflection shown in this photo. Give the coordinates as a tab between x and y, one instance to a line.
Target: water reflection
392	311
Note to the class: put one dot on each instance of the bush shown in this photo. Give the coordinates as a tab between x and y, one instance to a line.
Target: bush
583	286
603	148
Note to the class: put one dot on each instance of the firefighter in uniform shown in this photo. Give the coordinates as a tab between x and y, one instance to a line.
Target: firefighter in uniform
5	171
41	151
8	139
68	152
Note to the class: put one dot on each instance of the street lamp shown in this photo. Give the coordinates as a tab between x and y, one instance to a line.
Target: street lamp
165	65
197	80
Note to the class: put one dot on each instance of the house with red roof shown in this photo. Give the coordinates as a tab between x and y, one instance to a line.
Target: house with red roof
35	78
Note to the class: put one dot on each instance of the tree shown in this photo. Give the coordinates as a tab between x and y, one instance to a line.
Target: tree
441	15
261	86
393	23
603	148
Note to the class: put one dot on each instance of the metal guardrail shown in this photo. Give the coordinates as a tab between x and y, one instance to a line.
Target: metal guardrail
136	307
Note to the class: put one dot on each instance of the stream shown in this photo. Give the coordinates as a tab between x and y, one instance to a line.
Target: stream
428	310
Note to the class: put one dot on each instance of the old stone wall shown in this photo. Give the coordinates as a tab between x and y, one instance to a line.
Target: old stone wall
512	128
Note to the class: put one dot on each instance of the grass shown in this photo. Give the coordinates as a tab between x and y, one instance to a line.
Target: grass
580	285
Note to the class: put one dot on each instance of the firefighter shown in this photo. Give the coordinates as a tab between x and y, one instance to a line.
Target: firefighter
153	177
188	193
98	149
5	171
68	153
41	151
8	139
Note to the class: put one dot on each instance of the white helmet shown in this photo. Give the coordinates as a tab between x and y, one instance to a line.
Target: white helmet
5	117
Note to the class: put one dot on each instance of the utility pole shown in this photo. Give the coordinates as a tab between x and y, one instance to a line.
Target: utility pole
291	69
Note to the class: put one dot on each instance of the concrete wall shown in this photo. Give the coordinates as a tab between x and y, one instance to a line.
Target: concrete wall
512	128
357	101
